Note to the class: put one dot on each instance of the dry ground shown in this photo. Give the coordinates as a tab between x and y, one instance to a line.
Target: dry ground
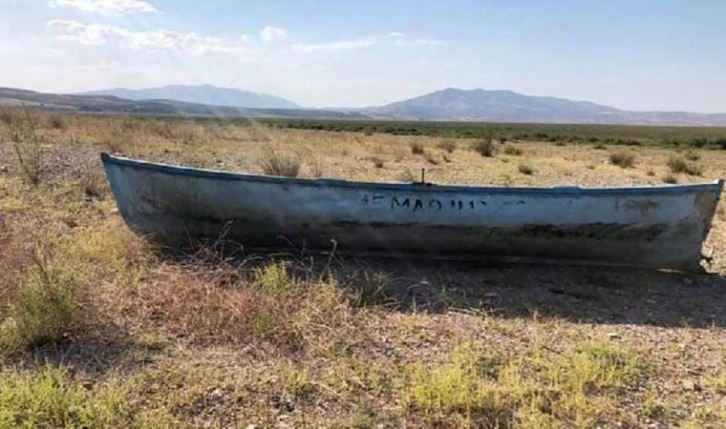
98	328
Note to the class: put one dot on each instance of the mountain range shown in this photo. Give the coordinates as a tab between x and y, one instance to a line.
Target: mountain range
450	104
201	94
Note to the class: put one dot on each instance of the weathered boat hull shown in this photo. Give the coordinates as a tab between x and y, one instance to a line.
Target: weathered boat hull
662	226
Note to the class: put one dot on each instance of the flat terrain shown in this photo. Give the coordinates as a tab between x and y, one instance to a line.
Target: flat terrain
98	328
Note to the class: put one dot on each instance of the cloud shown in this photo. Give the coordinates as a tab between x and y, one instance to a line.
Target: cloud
425	41
269	33
344	45
187	43
403	39
107	6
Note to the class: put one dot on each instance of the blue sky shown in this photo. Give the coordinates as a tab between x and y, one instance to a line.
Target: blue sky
638	54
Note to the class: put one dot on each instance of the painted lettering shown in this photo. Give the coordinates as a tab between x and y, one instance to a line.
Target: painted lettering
395	203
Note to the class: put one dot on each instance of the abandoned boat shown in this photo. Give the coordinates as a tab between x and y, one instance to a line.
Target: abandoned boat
654	226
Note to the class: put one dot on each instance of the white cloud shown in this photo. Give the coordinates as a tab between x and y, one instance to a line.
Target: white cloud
344	45
403	39
188	43
107	6
424	41
269	33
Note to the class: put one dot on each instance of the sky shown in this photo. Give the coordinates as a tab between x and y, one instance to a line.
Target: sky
636	54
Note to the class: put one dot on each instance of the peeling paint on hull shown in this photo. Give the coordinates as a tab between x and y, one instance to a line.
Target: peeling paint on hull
661	226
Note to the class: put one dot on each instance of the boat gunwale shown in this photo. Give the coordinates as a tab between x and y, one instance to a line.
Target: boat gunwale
566	190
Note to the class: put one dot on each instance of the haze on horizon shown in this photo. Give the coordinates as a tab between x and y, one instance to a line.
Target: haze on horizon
638	55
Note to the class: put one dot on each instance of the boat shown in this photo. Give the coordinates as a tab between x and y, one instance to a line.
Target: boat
645	226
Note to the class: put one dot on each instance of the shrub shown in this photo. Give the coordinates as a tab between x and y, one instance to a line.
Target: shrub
448	145
430	158
485	147
680	165
622	159
406	176
526	169
669	178
274	163
600	146
417	148
46	302
692	155
57	123
26	144
511	150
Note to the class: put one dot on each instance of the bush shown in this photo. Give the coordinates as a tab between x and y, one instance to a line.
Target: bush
274	163
430	158
511	150
526	169
485	147
622	159
680	165
692	155
27	144
669	178
417	148
448	145
57	123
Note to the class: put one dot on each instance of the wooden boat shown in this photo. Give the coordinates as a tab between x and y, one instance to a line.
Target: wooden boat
654	226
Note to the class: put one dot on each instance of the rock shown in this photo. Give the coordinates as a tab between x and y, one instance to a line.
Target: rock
3	169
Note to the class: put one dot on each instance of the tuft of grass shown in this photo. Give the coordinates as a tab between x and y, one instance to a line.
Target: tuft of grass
274	280
317	167
49	397
692	155
512	150
378	162
46	304
448	145
57	122
650	172
406	176
417	148
430	158
680	165
670	178
27	143
486	147
526	169
274	163
622	159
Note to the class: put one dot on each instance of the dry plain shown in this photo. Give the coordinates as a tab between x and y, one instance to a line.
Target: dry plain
99	328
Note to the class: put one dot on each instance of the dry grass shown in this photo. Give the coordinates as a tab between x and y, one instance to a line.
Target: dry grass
622	159
680	165
486	148
276	163
135	336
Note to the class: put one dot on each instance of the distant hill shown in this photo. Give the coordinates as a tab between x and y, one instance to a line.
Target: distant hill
508	106
113	104
201	94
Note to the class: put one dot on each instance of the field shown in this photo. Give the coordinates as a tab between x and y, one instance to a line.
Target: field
100	328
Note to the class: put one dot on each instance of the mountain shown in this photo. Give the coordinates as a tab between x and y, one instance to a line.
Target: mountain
202	94
113	104
507	106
